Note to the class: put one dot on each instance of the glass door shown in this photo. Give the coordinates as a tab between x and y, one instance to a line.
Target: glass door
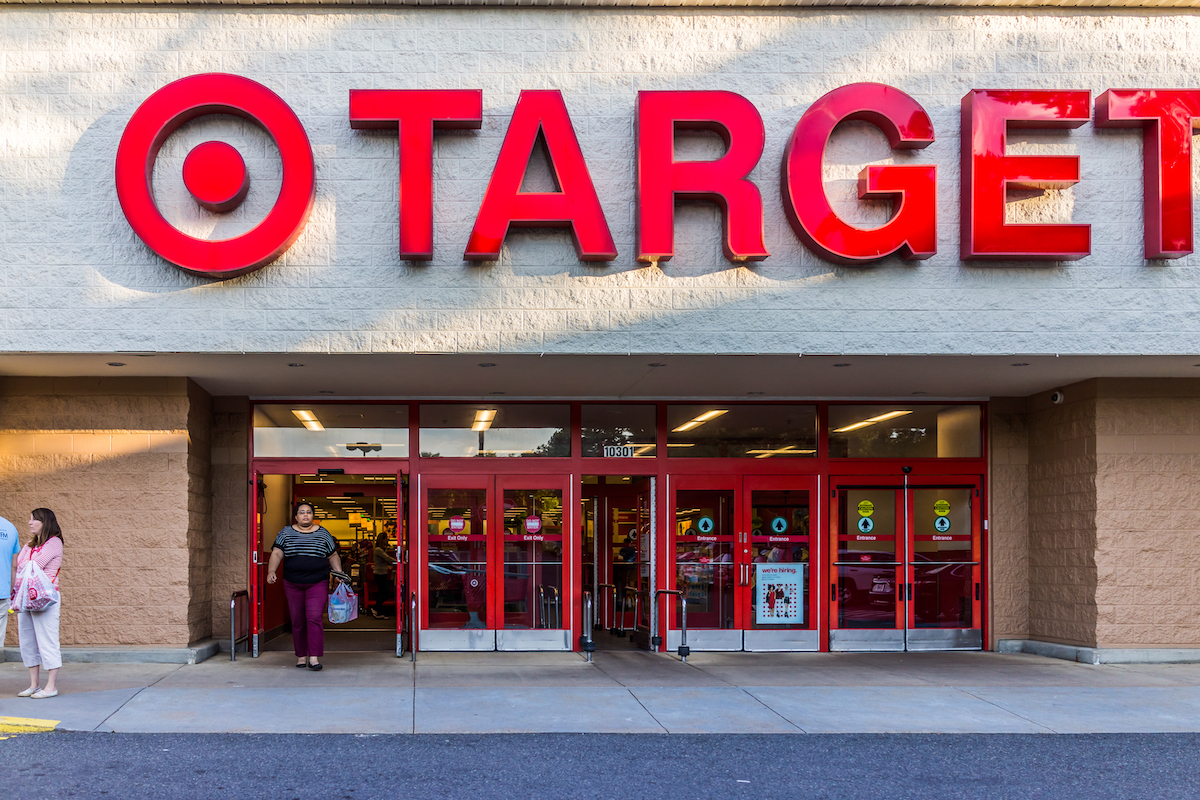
905	571
709	567
781	610
533	596
493	582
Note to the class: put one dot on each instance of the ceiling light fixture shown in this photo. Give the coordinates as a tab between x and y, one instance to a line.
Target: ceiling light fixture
1021	364
483	419
871	421
487	364
308	418
787	449
116	363
700	420
295	365
842	365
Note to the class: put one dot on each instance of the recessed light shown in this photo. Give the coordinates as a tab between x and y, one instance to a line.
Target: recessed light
497	392
1021	364
920	392
487	364
295	365
327	391
756	393
116	363
656	364
842	365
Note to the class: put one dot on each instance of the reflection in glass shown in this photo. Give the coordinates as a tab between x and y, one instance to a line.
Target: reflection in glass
704	568
745	431
779	535
942	525
867	525
495	431
533	540
332	430
867	596
630	427
456	536
917	431
942	595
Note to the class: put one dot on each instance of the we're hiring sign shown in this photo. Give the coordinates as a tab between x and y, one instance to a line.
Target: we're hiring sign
215	174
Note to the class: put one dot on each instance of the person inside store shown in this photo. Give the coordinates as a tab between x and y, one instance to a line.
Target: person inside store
37	631
308	553
381	565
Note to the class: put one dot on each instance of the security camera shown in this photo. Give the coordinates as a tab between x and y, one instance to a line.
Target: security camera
906	470
1057	398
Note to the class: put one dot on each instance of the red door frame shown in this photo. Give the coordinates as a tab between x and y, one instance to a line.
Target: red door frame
905	514
665	469
256	558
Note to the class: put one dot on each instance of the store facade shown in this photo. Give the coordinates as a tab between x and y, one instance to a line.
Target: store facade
855	329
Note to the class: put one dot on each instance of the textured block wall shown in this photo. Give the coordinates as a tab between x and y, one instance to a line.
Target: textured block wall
76	278
1062	517
112	458
1008	496
230	503
1148	504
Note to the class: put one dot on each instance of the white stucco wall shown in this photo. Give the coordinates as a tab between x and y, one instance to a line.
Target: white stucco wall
75	278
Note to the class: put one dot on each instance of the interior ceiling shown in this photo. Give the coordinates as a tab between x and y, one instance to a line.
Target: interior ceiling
607	376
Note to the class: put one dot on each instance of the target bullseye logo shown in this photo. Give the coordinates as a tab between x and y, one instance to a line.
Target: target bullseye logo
215	174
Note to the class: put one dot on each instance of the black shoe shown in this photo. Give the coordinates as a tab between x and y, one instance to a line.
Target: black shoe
316	667
302	665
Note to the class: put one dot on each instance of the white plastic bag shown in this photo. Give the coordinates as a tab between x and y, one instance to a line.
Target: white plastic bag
343	605
34	590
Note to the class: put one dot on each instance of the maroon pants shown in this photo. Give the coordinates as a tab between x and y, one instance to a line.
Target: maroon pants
306	606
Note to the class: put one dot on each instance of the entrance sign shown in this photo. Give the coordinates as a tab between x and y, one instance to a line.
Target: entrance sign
779	525
1167	119
912	230
187	99
215	174
866	524
662	180
705	524
575	207
780	594
417	114
941	524
866	508
987	117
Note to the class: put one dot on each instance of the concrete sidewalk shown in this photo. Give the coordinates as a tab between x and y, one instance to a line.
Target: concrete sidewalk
627	691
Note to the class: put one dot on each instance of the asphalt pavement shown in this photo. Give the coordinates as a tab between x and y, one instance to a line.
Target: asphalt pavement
621	766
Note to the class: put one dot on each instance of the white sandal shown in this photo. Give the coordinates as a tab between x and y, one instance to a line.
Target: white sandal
42	694
28	692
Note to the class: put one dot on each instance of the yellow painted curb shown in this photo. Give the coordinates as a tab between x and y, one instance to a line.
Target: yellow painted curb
27	725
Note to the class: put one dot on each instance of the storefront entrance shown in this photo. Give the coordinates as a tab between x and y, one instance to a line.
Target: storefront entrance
494	581
740	550
905	564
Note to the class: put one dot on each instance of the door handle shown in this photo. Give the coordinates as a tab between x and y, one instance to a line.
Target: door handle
910	591
976	590
833	592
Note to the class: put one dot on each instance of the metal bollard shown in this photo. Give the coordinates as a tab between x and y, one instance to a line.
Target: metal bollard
585	640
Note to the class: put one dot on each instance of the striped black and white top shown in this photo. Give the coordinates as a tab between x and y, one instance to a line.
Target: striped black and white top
305	555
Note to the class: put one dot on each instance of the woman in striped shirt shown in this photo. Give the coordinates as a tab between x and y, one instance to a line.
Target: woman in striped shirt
307	552
38	630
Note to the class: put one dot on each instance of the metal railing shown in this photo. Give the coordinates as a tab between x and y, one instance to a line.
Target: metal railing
551	607
684	650
637	600
233	635
585	639
604	607
412	629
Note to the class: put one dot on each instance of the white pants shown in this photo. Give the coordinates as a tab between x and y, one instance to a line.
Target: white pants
38	631
3	624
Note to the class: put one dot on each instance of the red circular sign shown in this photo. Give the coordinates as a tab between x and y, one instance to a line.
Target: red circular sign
457	524
161	115
533	524
215	174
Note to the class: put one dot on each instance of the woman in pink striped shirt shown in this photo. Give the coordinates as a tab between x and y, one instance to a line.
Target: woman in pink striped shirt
38	630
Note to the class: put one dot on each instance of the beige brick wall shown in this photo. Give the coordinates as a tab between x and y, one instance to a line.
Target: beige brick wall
1148	513
1009	518
1062	517
230	489
112	458
200	499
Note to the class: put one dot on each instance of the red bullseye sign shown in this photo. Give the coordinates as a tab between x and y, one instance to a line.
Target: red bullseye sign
215	174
